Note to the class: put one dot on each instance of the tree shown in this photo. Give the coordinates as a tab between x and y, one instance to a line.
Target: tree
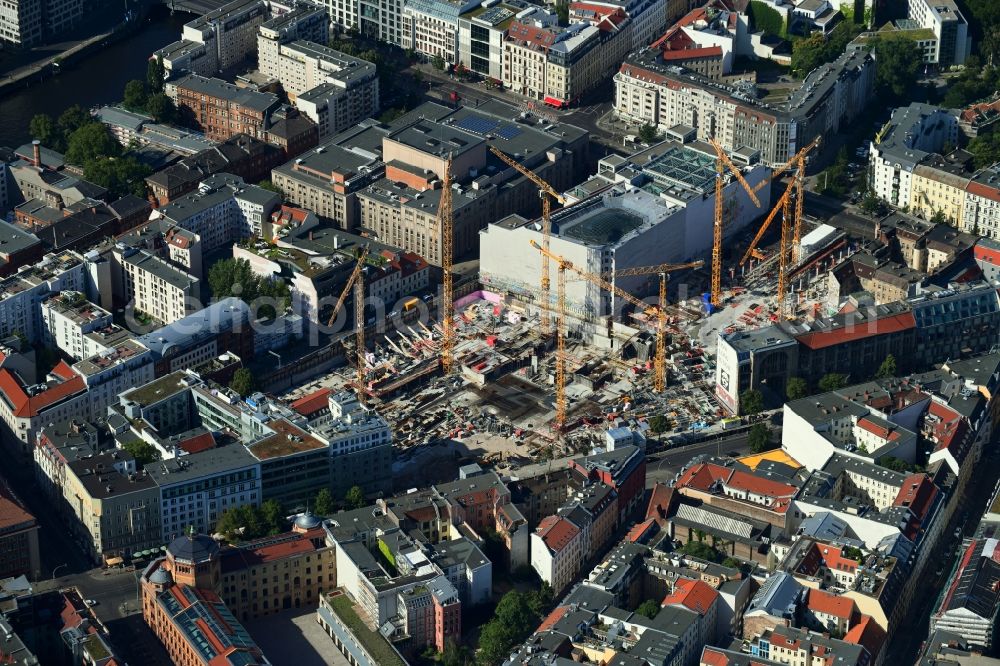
796	388
872	205
324	503
154	75
732	563
90	142
759	438
235	277
751	402
272	516
540	600
438	63
72	119
888	368
43	128
832	381
143	452
658	424
513	620
765	19
120	175
648	134
134	97
562	11
649	608
242	382
985	150
938	217
355	498
161	108
701	550
897	66
454	654
893	463
242	521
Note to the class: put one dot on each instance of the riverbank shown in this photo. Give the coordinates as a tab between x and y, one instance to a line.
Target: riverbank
36	72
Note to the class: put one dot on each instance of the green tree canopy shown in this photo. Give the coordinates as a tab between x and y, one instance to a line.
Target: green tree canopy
43	128
832	381
324	503
73	119
438	63
759	438
161	108
888	368
90	142
649	608
271	187
897	66
242	382
701	550
272	516
658	424
985	149
143	452
241	522
120	175
765	19
796	389
235	277
355	498
134	97
648	134
154	75
751	402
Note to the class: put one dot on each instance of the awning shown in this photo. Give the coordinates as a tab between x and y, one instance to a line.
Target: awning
552	101
114	561
136	556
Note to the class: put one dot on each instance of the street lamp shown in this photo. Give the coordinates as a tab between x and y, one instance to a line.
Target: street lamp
64	564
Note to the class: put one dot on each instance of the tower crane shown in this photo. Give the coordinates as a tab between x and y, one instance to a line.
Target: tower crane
722	160
355	274
447	252
359	333
752	249
545	192
663	270
659	311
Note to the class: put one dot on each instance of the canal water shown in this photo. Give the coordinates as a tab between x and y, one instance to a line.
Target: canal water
94	80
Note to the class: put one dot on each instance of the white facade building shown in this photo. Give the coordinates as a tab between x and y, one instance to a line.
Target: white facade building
66	320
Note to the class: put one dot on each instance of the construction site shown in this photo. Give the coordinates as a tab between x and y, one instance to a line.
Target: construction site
508	377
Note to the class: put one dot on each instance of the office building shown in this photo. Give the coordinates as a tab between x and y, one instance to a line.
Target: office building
26	23
304	22
944	18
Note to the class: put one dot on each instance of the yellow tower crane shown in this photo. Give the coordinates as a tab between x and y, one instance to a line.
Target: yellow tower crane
355	274
546	192
447	257
722	160
359	334
663	270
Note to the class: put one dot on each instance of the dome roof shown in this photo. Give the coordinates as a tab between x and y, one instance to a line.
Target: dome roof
160	577
307	521
193	548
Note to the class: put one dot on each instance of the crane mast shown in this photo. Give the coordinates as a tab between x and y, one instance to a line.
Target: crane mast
447	258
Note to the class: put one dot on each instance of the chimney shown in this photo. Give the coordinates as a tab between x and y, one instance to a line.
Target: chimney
310	235
36	147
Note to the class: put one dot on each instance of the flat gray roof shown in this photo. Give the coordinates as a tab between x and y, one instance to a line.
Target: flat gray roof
229	458
251	99
161	269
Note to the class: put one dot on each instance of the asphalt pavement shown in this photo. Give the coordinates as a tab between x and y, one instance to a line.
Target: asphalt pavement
662	467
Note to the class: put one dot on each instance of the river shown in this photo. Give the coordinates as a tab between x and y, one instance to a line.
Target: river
94	80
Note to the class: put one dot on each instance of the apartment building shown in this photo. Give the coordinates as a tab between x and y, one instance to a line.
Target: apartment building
196	489
21	295
557	552
944	18
26	23
157	289
430	27
67	318
554	64
937	187
229	33
273	574
650	90
179	593
304	22
241	156
912	134
402	207
114	505
981	215
19	555
221	110
222	211
334	90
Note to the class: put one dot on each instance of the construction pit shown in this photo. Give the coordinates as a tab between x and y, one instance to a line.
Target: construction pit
498	405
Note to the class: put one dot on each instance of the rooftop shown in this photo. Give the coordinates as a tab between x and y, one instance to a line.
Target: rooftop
287	440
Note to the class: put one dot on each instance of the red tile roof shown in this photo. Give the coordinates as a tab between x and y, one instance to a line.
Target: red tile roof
553	618
831	604
12	511
557	532
642	531
25	406
702	476
869	634
823	339
694	595
984	191
878	430
780	494
711	657
660	499
63	371
917	493
312	403
270	549
986	253
199	443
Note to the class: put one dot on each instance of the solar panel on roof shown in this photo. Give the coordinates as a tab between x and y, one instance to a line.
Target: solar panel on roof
509	132
477	125
495	15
